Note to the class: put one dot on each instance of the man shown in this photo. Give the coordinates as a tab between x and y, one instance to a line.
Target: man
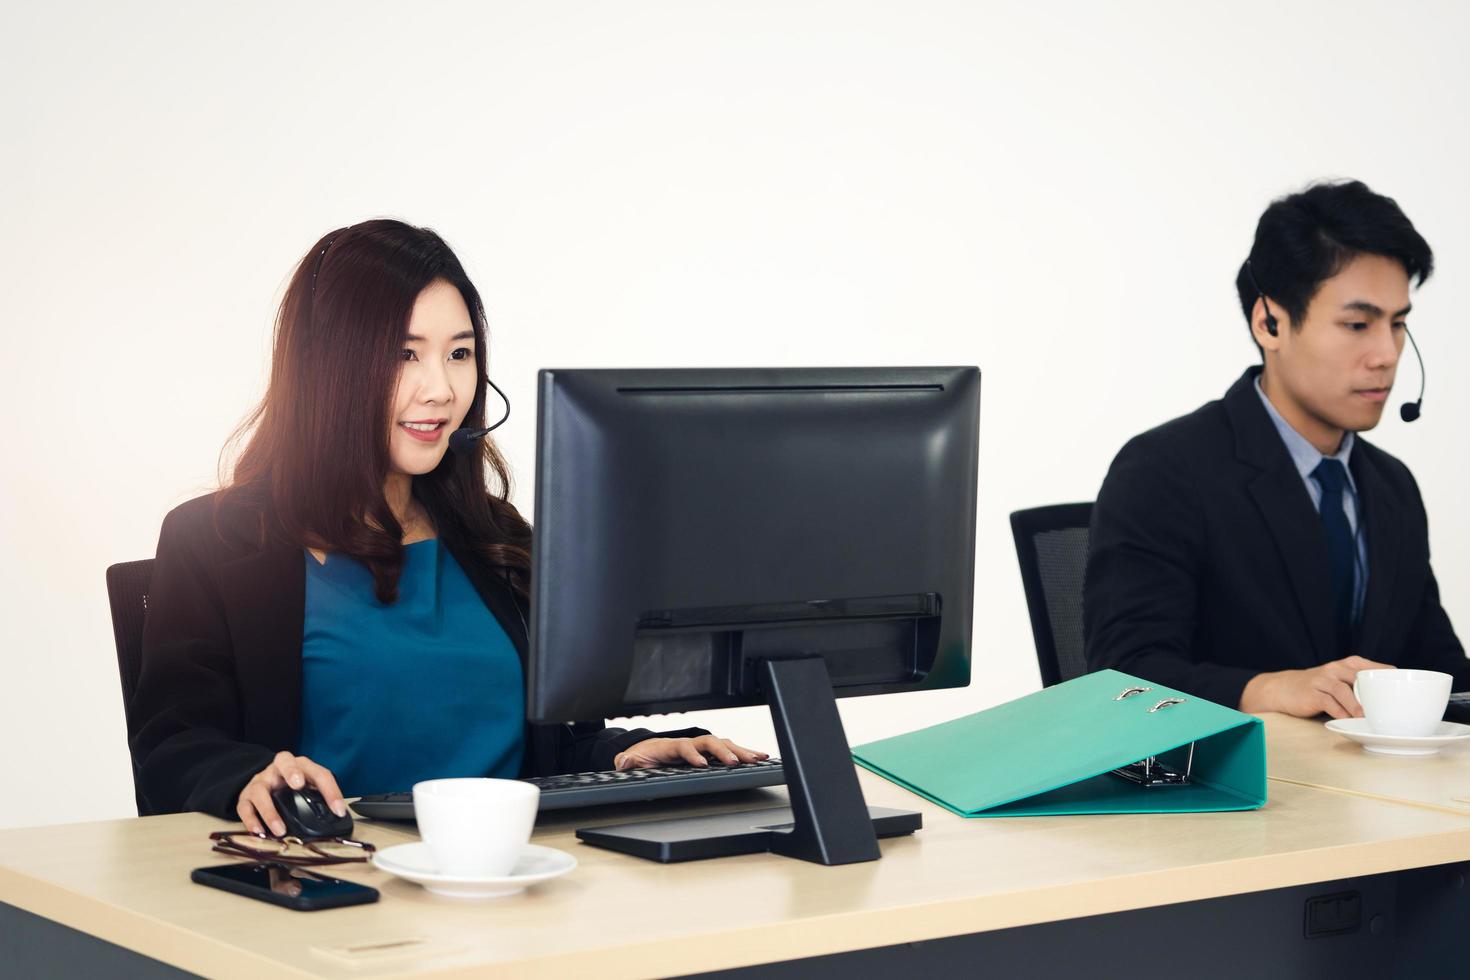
1257	552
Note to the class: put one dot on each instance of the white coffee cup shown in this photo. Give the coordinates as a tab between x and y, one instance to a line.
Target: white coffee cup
475	827
1403	702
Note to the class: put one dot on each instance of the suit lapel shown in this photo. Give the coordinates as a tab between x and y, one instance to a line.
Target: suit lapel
1286	507
1380	516
265	603
496	593
1294	523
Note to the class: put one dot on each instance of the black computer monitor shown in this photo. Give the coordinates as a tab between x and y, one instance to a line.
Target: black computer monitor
711	538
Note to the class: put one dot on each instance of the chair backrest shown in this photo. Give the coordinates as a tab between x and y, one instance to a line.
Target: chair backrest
127	593
1051	545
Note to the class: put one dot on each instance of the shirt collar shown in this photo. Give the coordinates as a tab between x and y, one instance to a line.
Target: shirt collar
1303	453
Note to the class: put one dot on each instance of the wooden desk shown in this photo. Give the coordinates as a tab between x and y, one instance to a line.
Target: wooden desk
1304	752
127	882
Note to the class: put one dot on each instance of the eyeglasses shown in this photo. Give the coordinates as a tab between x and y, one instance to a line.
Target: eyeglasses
317	851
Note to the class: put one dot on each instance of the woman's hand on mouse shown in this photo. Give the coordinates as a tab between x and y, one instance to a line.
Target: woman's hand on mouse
658	751
296	771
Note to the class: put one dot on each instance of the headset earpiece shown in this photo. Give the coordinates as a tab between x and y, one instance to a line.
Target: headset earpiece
1271	321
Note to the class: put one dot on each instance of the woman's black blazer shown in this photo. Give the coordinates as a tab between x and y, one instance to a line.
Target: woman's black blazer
219	693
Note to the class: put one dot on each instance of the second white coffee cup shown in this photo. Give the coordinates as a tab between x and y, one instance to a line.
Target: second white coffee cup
475	827
1403	702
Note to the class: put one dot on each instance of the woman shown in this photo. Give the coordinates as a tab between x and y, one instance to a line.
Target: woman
349	611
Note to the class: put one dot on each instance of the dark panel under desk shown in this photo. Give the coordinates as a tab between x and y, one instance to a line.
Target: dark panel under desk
34	946
1405	925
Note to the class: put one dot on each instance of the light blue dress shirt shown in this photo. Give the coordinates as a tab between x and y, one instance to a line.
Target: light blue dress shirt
1306	457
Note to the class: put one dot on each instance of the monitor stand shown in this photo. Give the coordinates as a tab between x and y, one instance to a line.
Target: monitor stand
828	821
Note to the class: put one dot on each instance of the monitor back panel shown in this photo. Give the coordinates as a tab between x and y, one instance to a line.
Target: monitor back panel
690	523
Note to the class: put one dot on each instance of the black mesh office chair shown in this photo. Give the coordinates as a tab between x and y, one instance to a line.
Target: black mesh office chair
127	593
1051	544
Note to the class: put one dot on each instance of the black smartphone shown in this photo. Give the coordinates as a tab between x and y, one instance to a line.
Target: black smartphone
282	884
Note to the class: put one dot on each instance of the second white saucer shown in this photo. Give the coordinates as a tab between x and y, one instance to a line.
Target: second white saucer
1358	729
415	862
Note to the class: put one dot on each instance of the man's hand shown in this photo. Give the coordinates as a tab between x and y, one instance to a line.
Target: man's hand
1327	689
658	751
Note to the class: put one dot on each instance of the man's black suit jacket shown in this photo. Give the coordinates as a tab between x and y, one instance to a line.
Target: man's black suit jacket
219	693
1208	562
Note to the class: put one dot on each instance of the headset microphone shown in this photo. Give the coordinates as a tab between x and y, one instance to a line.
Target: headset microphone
463	440
1409	411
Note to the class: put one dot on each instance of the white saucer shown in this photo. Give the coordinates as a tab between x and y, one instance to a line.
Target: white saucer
1357	729
416	863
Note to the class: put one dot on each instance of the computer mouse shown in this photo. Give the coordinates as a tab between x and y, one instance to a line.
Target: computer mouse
306	814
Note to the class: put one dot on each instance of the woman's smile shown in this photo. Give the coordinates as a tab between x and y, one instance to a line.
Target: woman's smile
426	430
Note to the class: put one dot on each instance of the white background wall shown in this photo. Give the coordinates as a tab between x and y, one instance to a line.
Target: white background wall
1059	193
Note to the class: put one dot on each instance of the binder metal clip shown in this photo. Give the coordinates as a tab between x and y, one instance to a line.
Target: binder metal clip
1150	772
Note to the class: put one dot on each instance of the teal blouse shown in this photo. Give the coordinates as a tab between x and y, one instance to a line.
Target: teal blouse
425	688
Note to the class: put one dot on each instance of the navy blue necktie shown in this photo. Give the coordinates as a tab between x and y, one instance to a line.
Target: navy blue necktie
1331	476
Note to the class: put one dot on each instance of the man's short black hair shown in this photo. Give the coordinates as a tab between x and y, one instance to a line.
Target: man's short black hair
1306	238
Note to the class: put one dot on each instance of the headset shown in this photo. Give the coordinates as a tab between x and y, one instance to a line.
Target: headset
1408	411
1271	323
463	440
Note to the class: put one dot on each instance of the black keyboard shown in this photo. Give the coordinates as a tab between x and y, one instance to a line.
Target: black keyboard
597	788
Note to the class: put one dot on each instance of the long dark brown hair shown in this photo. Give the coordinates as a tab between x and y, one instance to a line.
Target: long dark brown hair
317	456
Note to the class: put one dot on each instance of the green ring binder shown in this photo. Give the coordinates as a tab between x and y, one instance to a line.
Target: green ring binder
1063	750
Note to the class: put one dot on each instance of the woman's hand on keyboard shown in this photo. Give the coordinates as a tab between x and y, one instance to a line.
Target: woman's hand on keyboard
661	751
254	804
